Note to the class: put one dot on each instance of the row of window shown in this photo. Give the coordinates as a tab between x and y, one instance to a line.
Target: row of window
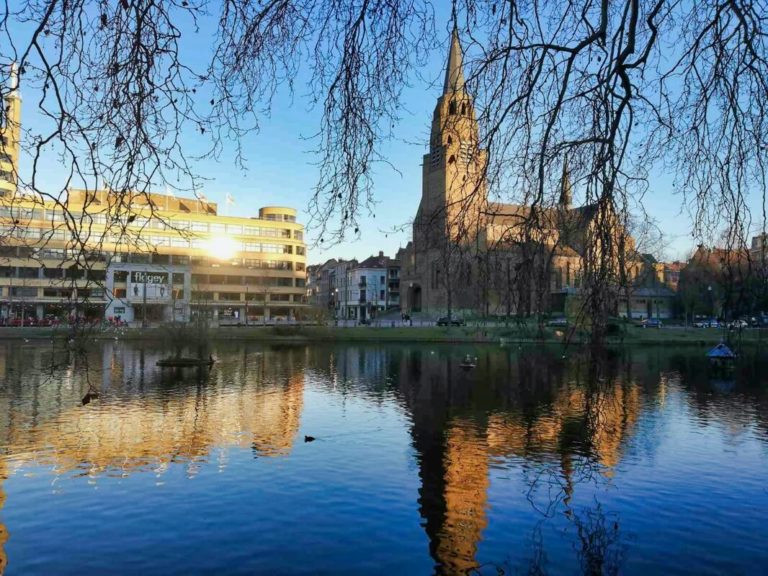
280	217
61	293
34	234
248	280
204	296
25	214
61	254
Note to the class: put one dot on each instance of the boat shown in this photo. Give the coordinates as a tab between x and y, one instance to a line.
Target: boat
185	362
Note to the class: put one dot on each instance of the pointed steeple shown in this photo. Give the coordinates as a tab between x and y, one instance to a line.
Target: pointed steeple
454	71
566	190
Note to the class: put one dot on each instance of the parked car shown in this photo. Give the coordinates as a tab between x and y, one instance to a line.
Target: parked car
558	323
710	323
652	323
738	324
445	321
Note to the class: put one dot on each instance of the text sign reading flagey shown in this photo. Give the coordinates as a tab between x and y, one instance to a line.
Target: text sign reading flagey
149	277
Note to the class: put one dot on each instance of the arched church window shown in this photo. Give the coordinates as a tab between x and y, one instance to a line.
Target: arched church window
452	107
463	109
450	140
452	159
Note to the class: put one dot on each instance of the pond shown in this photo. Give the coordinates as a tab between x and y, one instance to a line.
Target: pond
350	459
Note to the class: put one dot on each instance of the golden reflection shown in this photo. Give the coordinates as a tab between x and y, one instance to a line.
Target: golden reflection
3	528
121	433
466	493
568	419
606	417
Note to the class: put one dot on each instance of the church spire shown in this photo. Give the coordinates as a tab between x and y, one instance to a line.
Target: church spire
454	71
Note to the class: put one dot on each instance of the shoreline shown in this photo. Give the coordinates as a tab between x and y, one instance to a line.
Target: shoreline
406	335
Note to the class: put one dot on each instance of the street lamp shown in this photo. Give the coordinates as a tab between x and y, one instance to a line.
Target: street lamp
711	302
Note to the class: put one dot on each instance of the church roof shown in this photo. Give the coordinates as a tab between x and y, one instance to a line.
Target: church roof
454	71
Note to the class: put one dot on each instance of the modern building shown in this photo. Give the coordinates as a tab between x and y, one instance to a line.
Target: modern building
141	256
10	132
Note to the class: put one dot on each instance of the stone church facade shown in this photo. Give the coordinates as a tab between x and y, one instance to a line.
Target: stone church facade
469	254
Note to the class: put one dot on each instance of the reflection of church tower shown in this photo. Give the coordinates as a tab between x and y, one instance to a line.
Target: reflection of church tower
453	467
466	495
3	529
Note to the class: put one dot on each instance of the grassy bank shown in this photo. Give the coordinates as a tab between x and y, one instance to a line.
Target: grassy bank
494	335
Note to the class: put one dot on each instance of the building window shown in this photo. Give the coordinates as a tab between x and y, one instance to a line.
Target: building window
229	296
452	107
53	273
23	292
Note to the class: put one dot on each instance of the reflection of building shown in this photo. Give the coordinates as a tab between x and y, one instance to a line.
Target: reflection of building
551	415
3	528
151	430
141	256
151	421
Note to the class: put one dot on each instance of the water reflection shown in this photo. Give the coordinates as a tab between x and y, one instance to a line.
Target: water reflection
567	420
536	433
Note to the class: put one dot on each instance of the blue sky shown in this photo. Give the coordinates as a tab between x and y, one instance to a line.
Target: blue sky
280	168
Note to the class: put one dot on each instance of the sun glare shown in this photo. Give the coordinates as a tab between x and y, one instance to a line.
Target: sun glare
222	247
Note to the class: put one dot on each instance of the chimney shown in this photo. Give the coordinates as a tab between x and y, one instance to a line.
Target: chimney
381	254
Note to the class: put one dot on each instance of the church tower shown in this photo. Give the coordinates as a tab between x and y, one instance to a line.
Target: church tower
10	135
453	192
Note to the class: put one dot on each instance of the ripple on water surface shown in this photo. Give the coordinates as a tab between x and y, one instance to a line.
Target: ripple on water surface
636	462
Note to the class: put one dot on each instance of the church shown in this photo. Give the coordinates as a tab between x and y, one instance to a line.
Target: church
471	255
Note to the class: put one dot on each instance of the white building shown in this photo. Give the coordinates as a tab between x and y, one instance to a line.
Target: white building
366	290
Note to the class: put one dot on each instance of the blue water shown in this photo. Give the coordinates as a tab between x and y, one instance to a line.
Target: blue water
634	463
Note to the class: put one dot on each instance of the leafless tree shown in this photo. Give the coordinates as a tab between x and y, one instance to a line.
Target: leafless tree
622	87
